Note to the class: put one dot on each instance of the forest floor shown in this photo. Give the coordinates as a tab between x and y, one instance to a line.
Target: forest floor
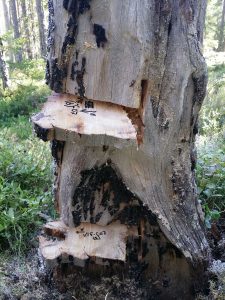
27	278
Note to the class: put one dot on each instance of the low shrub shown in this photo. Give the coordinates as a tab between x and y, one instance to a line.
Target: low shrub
211	177
25	185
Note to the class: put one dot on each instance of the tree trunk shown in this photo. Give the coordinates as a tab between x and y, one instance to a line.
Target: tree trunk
26	29
31	16
8	25
40	14
221	41
16	30
3	70
6	15
131	79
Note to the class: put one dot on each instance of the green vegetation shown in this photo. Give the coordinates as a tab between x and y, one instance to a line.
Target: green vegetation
211	177
25	174
211	143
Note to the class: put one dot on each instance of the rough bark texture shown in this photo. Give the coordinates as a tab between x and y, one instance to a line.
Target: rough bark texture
26	29
144	57
15	22
221	41
42	37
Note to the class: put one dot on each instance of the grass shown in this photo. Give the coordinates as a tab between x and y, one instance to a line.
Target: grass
25	168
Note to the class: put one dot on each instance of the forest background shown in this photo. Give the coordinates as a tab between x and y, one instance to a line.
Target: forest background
25	162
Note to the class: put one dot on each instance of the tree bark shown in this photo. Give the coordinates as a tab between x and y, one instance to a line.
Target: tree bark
3	70
221	41
26	29
132	79
16	30
42	37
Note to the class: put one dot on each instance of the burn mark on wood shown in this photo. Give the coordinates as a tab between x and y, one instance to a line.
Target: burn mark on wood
196	128
57	150
80	78
73	5
105	148
99	33
47	72
70	5
133	214
200	84
68	41
60	234
77	217
169	28
94	180
102	187
193	156
41	133
74	8
73	69
55	75
84	5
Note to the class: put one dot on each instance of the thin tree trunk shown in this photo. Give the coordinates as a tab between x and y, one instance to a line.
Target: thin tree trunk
6	15
3	69
128	80
16	30
8	24
221	40
31	16
26	29
42	36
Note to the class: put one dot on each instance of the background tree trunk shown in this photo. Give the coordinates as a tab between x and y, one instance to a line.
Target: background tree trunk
8	25
6	15
13	10
133	80
26	29
3	70
221	41
31	16
42	37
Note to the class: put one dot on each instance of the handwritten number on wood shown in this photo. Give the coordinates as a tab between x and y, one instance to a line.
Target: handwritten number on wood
95	235
75	106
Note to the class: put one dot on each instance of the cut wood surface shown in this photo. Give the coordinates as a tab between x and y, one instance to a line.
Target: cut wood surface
64	114
84	241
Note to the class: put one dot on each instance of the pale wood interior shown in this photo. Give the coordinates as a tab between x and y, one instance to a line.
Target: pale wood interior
67	113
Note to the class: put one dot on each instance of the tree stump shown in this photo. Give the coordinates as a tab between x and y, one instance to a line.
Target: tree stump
128	80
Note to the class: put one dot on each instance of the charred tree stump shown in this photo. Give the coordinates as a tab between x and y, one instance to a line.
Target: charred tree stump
128	80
